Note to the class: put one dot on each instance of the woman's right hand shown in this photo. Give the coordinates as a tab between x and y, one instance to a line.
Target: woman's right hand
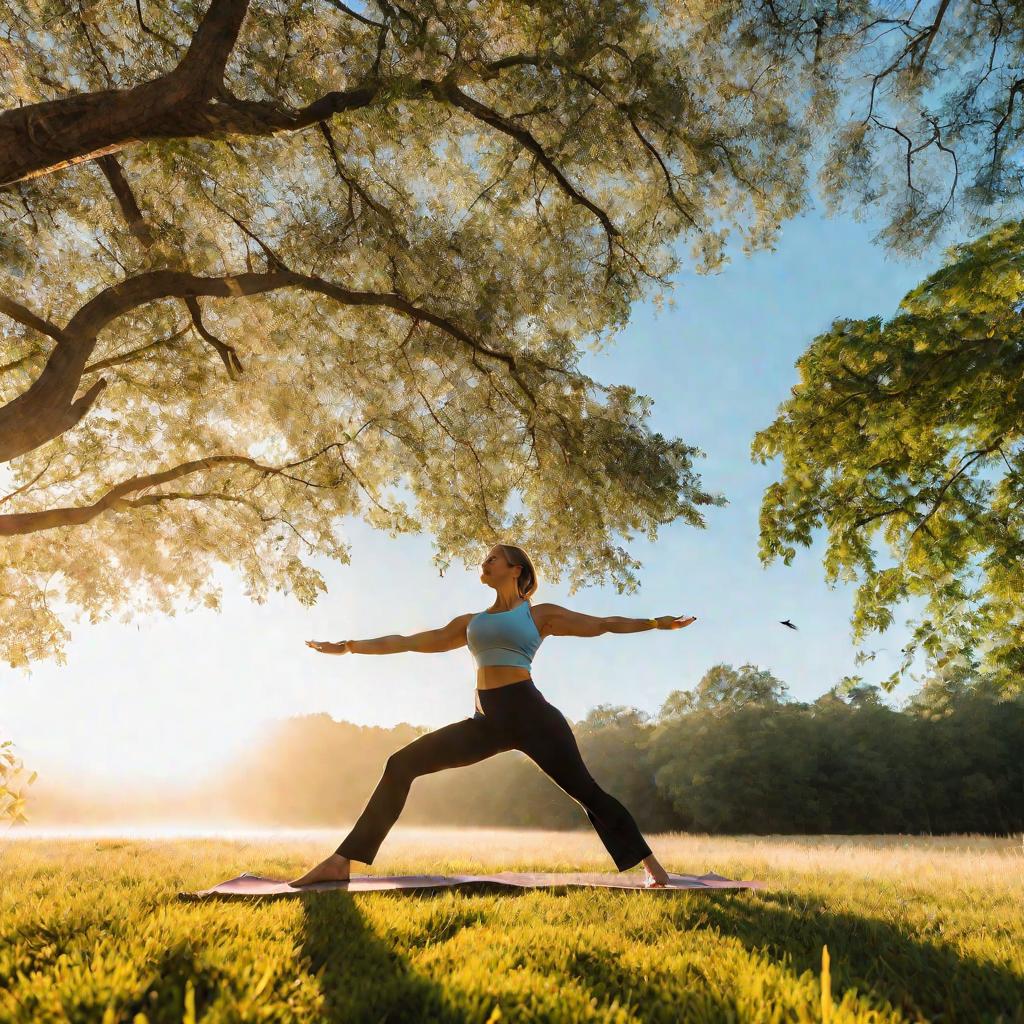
326	647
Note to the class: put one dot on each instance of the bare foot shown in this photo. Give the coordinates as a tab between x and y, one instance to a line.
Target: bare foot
655	876
334	869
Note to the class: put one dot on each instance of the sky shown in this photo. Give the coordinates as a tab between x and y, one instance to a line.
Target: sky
167	700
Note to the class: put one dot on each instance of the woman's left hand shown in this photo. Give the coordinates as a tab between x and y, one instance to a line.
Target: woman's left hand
675	621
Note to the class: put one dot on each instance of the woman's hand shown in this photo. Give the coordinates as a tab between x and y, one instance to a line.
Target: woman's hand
326	647
675	621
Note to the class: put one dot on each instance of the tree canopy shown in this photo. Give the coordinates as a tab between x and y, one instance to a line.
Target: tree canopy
723	689
266	264
910	432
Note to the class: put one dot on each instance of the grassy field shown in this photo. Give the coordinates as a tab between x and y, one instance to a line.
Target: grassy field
916	929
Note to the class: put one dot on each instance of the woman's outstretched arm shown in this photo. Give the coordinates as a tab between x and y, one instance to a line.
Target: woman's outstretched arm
430	641
559	621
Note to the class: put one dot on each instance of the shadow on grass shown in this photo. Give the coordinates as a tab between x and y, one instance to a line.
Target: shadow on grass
363	978
163	997
677	1000
920	976
923	977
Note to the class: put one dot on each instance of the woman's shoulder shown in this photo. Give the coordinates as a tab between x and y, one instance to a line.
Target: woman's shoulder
540	612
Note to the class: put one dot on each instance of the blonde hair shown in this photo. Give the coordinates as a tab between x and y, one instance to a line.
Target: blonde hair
527	580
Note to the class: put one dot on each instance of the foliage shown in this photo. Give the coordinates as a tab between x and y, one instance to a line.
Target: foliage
722	689
912	429
419	264
923	102
395	214
12	801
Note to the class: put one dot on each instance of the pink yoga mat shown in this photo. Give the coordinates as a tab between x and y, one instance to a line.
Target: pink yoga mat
249	886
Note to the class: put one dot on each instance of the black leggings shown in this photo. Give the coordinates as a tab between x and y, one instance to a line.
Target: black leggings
511	717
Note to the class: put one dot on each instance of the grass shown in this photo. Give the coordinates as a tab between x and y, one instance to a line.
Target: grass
916	930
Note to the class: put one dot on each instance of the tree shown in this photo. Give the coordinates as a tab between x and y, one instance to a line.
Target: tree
723	688
945	691
913	429
413	265
925	100
394	213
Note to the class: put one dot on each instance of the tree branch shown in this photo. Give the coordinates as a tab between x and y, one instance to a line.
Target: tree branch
355	14
134	354
24	315
126	200
227	353
977	454
43	137
46	409
20	523
447	90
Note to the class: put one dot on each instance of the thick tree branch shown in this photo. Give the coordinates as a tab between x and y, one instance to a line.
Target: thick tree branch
19	523
43	137
234	116
202	68
47	409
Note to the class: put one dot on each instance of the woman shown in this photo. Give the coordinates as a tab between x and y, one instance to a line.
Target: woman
511	714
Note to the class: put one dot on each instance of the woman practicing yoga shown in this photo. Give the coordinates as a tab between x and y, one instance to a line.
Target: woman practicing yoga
511	714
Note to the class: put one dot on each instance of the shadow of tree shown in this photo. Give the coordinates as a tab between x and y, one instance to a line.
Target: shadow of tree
164	996
605	977
919	977
364	978
917	973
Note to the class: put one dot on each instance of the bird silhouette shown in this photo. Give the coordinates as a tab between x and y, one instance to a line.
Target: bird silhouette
786	622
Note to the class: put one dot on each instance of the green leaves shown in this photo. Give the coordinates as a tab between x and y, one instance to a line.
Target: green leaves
908	433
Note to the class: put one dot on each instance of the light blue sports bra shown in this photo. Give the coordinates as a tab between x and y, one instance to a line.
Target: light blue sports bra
504	638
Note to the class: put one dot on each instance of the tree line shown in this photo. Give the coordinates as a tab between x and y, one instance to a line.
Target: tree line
734	755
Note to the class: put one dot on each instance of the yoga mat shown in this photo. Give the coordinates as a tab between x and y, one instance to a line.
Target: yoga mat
247	886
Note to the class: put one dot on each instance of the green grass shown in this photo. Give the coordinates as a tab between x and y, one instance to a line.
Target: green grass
917	930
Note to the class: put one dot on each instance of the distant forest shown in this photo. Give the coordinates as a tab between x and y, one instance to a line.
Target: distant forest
734	755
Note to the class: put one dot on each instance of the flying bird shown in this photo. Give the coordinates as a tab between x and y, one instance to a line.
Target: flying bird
786	622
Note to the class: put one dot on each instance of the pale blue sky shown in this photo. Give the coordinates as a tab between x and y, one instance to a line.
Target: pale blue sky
166	700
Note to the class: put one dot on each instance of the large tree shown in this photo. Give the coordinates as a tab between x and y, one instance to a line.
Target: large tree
266	264
907	434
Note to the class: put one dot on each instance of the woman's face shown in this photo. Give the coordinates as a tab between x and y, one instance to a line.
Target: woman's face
496	569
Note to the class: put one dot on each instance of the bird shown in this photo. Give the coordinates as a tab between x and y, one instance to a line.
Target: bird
786	622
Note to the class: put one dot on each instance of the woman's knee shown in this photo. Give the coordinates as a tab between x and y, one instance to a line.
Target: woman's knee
593	797
583	788
401	765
